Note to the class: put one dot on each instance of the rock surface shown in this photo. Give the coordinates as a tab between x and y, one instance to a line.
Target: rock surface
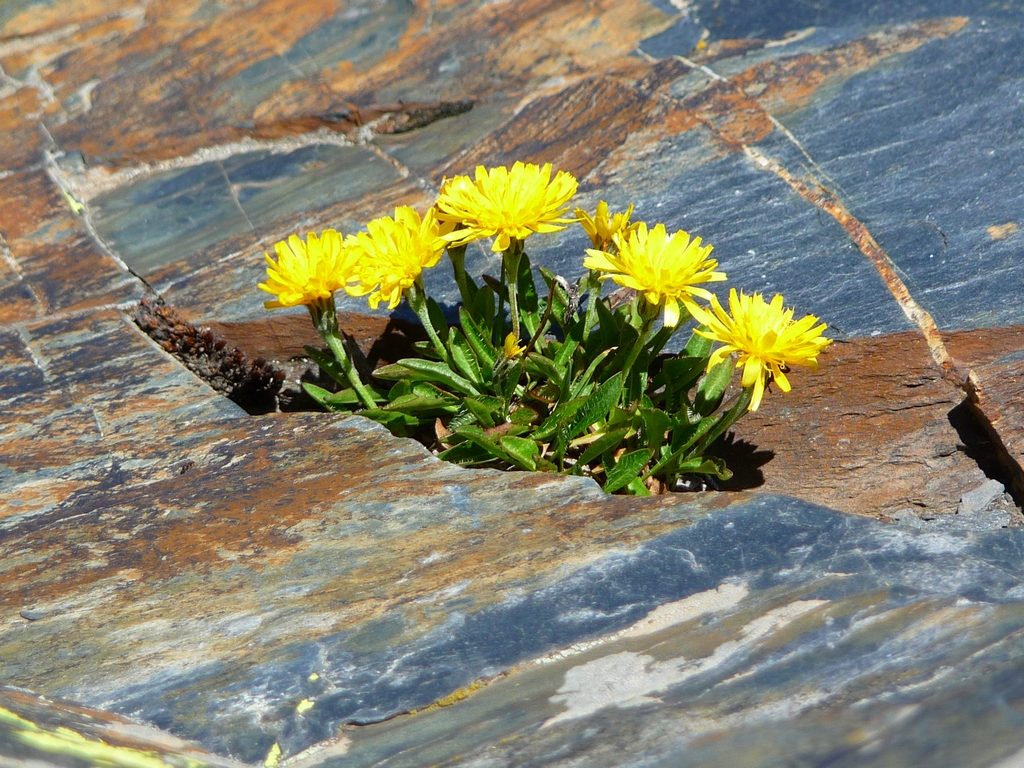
304	587
804	637
40	731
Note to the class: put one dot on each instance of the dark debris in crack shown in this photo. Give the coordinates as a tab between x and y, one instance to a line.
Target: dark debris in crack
253	384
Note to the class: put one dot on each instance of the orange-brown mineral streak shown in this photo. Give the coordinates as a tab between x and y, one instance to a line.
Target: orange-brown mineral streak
818	195
738	120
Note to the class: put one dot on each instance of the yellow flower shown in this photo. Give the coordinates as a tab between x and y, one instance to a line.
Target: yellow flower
393	252
506	204
664	269
603	227
511	347
764	335
308	272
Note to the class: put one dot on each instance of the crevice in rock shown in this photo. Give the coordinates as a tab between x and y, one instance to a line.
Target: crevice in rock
981	443
261	365
254	384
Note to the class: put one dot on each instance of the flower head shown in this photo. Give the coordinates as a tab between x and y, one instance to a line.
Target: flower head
602	227
308	272
393	252
664	268
765	337
506	204
511	348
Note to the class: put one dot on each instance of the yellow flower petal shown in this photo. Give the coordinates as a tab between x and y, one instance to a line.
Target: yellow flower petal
511	347
603	226
779	377
671	312
310	271
752	370
392	253
766	339
661	266
506	204
758	394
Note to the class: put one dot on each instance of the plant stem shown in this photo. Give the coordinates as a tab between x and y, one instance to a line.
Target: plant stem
510	261
700	441
418	301
457	254
593	294
325	319
728	419
648	313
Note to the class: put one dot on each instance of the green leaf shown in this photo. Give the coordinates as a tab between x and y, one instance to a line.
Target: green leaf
685	434
637	487
422	406
582	382
477	340
466	453
626	469
328	364
656	425
590	286
679	374
540	366
496	286
506	378
560	301
712	388
559	416
596	408
659	340
621	416
397	422
525	416
426	389
523	451
484	408
488	443
483	309
332	401
402	387
683	438
437	319
607	333
697	346
608	441
463	357
628	339
566	349
529	304
415	369
463	418
705	465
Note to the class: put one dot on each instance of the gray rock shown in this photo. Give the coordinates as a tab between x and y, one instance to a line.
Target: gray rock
976	500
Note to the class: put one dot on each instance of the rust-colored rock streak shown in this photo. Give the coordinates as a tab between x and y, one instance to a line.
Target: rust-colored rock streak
739	120
815	192
156	82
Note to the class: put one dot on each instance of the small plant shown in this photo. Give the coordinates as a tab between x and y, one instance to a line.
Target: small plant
540	373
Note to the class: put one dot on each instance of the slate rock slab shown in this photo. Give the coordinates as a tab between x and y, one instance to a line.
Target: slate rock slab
38	731
782	634
301	584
